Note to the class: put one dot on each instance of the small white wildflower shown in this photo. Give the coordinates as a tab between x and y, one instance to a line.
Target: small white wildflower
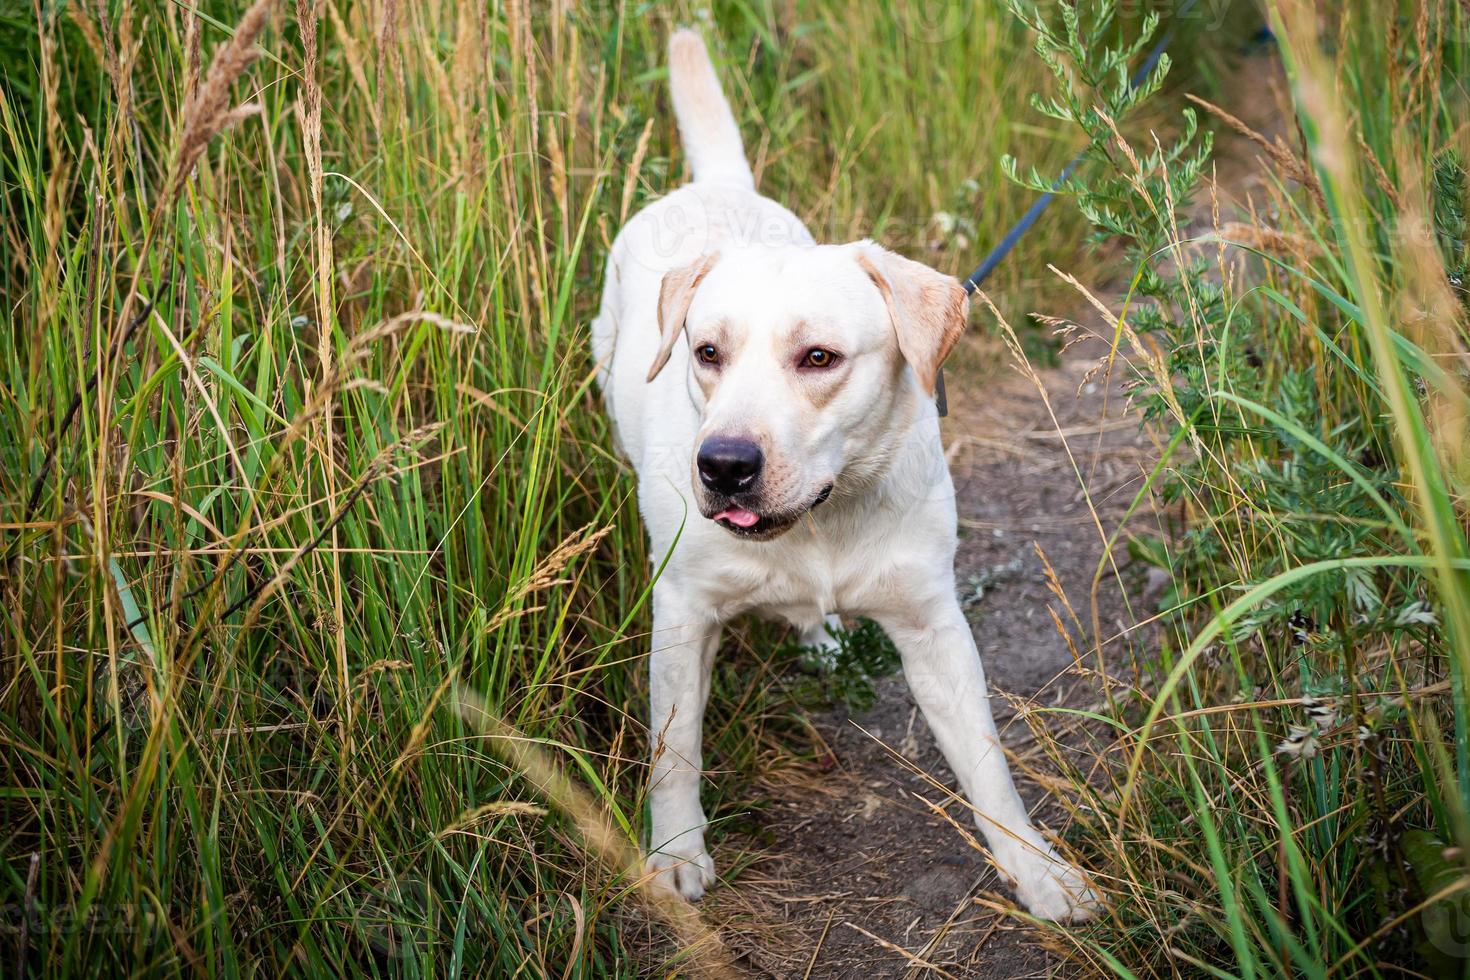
944	222
344	211
1416	613
1300	743
1323	712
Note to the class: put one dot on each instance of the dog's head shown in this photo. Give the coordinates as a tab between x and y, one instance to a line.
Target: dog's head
803	361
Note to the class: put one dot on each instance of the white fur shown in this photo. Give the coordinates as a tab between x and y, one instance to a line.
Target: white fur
882	546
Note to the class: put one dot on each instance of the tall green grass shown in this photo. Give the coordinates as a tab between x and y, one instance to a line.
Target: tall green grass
1284	787
300	439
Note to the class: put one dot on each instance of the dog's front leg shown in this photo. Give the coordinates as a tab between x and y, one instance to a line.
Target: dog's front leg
684	644
942	667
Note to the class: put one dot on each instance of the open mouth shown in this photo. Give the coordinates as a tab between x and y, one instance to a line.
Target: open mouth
747	523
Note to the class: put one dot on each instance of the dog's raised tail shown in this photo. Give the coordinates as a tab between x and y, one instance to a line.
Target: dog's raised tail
706	124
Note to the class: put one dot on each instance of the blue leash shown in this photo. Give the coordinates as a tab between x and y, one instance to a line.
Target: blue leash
1006	244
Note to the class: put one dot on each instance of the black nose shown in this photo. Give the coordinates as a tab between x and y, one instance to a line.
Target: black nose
728	465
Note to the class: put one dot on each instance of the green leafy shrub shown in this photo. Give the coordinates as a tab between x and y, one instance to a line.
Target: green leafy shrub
843	672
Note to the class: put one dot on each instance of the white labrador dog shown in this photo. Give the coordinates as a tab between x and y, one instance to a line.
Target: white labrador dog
776	398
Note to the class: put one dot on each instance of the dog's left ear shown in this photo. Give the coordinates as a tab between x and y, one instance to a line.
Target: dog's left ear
674	296
929	309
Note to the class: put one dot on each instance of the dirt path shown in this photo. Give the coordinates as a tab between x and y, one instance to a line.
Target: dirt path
858	874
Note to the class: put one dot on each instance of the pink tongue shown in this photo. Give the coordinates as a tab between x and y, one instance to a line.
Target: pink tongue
738	516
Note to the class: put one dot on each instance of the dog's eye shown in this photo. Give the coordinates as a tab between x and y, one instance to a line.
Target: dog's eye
707	354
818	358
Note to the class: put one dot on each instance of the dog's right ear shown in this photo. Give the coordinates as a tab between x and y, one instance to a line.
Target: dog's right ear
674	297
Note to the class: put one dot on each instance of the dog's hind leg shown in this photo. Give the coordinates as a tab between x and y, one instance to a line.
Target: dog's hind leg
820	640
943	670
684	644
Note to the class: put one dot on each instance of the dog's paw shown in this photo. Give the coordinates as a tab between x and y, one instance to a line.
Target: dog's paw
819	645
688	875
1053	889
